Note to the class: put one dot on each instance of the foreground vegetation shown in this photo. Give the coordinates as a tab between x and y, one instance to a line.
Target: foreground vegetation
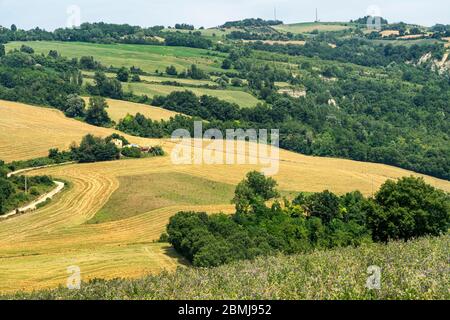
416	269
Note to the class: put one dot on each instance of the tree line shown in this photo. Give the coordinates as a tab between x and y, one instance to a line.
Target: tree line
403	209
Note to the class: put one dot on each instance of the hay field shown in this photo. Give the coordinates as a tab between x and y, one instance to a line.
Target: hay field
29	132
119	109
447	40
37	248
148	57
388	33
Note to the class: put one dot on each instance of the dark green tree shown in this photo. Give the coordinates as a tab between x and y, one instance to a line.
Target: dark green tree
96	113
254	190
409	208
123	74
75	106
171	71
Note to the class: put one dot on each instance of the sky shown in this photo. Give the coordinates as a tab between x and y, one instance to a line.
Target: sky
51	14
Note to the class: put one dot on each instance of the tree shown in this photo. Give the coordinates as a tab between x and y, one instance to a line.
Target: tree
96	113
226	64
107	87
195	73
94	149
409	208
13	28
324	205
123	74
236	82
135	78
53	53
6	190
88	62
75	106
253	190
26	49
171	71
2	50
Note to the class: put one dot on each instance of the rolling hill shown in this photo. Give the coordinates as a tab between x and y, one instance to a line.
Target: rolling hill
148	58
109	234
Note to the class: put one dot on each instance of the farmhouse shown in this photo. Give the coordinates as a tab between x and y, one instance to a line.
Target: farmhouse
118	143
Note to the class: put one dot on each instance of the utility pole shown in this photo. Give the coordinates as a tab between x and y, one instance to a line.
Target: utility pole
317	15
275	13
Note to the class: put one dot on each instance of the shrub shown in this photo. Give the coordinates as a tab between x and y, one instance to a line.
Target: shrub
156	151
94	149
132	152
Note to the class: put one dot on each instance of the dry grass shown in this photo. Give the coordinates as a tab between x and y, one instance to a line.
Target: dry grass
29	132
119	109
447	45
412	36
388	33
37	248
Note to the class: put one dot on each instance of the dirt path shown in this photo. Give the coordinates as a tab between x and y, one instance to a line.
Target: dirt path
34	205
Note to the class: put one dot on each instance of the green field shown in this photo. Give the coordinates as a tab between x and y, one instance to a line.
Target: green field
409	270
308	27
215	34
138	194
243	99
160	79
148	58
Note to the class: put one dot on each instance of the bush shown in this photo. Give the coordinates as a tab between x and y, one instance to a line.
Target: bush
94	149
156	151
132	152
123	75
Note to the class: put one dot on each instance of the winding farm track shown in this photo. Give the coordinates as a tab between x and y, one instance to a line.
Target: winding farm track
37	248
34	204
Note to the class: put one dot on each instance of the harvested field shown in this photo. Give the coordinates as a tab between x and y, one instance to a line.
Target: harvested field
37	248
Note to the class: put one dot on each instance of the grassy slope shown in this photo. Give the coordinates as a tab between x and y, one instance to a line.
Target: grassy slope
29	132
413	270
148	58
37	248
118	110
244	99
143	193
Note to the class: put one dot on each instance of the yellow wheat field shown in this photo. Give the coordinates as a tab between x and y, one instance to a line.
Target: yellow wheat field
29	132
37	248
119	109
